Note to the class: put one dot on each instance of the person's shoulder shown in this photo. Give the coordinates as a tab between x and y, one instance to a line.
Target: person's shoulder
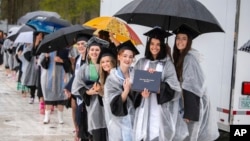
83	66
189	59
112	76
192	54
193	57
112	71
143	59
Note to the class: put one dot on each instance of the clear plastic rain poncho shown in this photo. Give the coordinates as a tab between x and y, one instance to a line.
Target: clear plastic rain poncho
120	128
95	110
194	81
161	122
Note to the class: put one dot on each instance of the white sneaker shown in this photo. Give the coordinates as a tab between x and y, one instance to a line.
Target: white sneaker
31	101
46	117
60	117
9	75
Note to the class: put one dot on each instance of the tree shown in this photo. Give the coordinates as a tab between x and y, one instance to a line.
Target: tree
13	9
75	11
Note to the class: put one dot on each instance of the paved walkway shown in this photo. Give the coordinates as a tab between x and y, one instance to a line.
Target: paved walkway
20	121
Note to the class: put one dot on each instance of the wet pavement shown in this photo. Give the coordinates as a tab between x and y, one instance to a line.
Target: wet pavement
21	121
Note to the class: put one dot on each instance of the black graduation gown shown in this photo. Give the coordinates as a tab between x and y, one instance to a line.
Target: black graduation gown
191	111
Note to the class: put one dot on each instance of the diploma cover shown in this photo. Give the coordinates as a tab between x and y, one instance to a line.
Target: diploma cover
144	79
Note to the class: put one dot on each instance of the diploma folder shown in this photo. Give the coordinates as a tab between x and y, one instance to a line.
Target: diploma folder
144	79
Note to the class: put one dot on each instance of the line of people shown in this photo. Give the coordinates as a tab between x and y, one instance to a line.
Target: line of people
96	83
107	108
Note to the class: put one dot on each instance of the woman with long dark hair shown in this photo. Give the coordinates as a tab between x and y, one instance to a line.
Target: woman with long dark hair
158	111
197	109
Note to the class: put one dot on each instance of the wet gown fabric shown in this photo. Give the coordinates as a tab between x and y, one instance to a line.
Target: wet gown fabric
83	81
53	78
203	126
119	115
157	117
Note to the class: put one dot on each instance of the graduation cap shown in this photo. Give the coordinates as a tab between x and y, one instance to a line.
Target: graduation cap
97	41
82	37
184	28
106	52
157	33
129	46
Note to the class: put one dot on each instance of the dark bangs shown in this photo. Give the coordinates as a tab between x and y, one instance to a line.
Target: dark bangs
163	50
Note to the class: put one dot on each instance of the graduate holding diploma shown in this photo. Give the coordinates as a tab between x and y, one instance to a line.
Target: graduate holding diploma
157	113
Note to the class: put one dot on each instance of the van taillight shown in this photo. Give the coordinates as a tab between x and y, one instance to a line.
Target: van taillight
245	90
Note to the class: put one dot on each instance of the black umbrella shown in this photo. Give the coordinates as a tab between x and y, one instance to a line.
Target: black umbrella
25	18
170	14
63	38
47	24
15	31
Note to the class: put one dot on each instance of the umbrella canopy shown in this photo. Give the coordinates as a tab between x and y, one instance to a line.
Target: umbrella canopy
25	37
47	24
25	18
120	29
62	38
15	31
170	14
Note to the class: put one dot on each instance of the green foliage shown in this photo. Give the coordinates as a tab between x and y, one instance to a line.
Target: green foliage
75	11
13	9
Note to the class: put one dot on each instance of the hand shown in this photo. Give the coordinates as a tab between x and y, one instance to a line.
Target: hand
19	53
58	59
145	93
186	120
150	70
46	55
126	85
91	91
67	93
97	87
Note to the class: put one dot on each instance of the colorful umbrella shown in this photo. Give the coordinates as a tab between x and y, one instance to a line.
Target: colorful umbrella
29	15
122	32
47	24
